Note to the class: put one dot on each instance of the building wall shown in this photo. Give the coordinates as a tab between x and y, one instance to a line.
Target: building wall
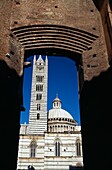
24	158
45	151
106	15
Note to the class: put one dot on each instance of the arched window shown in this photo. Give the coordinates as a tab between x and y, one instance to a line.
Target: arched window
39	78
32	149
57	148
39	96
38	106
78	147
38	116
39	87
30	167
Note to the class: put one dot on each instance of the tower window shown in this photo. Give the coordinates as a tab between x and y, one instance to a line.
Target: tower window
39	97
39	87
38	116
32	149
57	148
39	78
38	106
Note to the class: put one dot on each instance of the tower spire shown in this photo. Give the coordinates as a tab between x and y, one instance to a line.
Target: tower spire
40	60
46	60
34	59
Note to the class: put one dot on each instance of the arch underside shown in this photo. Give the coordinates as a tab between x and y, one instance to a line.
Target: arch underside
53	37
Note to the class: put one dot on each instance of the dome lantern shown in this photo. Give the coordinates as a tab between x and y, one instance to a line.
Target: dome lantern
57	111
56	103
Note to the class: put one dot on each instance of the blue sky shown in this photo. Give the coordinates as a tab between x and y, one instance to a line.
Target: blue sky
62	80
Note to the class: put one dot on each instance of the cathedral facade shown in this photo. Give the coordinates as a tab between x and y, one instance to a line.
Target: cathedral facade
52	139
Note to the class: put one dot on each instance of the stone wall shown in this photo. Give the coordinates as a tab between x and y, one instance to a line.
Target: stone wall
71	25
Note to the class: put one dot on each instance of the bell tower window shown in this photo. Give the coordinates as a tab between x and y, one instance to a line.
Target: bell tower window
38	106
38	116
39	78
39	87
39	97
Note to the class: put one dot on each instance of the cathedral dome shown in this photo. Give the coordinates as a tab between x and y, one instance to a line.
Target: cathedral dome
59	120
57	111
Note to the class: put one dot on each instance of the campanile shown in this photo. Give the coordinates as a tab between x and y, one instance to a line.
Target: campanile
38	103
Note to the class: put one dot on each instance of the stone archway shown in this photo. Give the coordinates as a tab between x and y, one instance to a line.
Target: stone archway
77	28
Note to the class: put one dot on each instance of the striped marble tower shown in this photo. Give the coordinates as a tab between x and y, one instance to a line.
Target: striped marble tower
38	103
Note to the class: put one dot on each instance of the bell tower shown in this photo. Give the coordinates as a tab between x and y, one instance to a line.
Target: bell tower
38	103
